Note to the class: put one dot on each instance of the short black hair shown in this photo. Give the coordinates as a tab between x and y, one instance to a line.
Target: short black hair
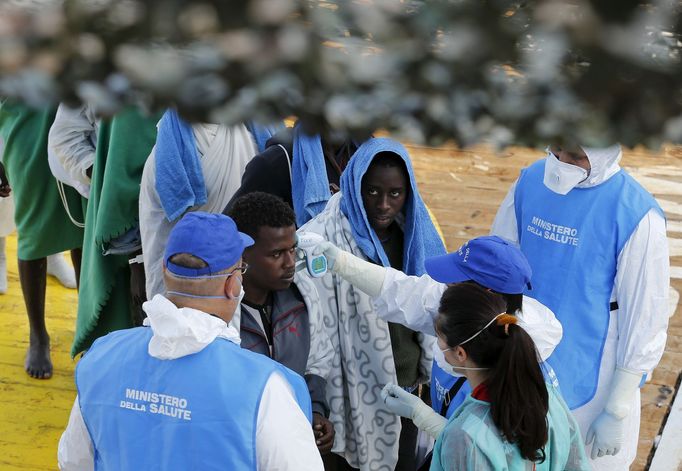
257	209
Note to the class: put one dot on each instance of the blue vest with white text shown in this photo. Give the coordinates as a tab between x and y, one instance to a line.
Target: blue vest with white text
572	243
441	395
195	412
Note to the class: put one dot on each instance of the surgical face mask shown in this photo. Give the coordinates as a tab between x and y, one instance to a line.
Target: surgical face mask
561	177
439	357
240	296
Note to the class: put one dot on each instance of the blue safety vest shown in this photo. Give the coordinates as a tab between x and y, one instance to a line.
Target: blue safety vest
195	412
572	243
447	392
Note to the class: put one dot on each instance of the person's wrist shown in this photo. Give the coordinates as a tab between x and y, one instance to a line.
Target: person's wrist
623	387
339	261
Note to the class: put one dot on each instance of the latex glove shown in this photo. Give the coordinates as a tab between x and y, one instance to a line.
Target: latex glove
399	401
408	405
330	251
366	276
607	432
608	429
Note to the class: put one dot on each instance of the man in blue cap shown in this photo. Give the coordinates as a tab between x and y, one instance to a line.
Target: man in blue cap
414	301
180	393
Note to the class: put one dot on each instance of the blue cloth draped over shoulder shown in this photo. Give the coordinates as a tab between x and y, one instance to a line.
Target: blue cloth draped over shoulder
262	133
310	184
421	238
179	179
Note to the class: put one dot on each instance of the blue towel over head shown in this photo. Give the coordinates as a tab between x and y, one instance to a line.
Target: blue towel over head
310	184
179	179
421	238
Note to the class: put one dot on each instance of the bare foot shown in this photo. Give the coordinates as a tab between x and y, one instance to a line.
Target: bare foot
38	363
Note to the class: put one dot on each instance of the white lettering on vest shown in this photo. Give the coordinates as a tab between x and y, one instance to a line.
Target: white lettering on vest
156	403
560	234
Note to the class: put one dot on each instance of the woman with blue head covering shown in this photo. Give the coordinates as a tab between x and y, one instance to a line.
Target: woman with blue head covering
378	215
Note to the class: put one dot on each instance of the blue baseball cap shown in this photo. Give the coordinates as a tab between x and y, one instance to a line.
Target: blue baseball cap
213	238
489	261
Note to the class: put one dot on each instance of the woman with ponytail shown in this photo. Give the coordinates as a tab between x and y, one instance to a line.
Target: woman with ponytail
512	420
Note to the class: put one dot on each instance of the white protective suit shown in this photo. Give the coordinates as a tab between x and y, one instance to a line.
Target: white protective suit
224	152
398	302
71	146
284	438
637	330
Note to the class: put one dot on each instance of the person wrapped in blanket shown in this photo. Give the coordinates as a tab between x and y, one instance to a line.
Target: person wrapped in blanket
378	215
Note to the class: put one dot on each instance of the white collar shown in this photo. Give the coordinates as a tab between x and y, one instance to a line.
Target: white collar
178	332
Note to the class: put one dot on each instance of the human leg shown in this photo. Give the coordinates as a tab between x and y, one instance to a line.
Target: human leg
57	267
138	294
76	257
32	275
407	450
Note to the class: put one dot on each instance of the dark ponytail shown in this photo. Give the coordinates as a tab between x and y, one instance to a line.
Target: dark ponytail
518	395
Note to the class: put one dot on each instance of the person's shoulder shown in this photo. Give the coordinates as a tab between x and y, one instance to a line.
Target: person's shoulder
120	335
106	345
469	428
534	306
295	292
274	156
284	137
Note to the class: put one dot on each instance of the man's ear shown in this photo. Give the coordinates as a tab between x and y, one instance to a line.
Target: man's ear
233	287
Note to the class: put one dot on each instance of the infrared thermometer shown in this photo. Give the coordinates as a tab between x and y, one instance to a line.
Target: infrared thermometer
316	264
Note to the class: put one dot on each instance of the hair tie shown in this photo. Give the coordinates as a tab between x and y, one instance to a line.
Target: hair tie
505	320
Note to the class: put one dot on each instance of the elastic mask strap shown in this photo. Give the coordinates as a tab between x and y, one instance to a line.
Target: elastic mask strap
484	327
199	277
467	368
195	296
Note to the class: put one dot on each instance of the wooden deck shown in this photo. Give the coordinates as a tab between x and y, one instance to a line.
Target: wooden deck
462	188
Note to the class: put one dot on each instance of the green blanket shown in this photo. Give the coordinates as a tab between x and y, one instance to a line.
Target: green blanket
43	226
123	145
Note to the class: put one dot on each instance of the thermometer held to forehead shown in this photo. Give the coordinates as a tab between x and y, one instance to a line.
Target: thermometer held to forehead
316	264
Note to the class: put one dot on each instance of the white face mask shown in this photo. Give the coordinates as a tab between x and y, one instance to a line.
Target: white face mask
561	177
240	296
439	358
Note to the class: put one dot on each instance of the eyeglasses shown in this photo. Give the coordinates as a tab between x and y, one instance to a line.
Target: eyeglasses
242	268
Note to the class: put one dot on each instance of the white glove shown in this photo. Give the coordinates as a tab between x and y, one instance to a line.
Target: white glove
607	432
364	275
408	405
608	429
330	251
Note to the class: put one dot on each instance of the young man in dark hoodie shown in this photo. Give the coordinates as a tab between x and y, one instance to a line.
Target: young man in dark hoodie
275	320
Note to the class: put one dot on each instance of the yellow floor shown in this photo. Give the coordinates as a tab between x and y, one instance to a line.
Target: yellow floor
32	417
